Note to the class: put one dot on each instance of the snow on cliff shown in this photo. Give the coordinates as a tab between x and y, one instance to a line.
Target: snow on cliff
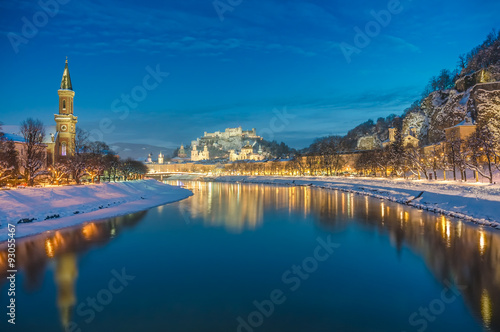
42	209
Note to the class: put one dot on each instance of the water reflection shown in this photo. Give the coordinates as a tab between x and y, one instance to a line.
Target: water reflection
452	249
65	276
33	254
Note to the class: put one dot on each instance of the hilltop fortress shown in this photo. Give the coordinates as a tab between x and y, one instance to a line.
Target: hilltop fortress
226	144
229	133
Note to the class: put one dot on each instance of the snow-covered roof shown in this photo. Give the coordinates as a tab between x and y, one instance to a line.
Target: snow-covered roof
14	137
13	132
466	122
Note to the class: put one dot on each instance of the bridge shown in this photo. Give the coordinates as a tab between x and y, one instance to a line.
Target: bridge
165	175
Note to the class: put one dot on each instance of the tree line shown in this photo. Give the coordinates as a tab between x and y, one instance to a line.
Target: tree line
92	160
480	152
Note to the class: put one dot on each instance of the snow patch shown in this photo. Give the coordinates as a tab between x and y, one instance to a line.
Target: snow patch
35	210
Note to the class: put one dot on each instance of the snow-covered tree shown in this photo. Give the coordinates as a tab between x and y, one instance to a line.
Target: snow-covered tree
132	169
34	158
59	171
482	152
95	161
416	160
8	158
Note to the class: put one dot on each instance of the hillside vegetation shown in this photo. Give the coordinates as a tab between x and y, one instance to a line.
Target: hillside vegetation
468	90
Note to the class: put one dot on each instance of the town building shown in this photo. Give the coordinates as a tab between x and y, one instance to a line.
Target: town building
409	138
461	131
62	140
200	155
229	134
182	152
233	132
59	140
246	153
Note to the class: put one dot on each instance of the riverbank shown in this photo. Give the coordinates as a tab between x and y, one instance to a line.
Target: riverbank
35	210
478	203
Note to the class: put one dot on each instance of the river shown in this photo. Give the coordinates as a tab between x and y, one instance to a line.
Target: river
252	257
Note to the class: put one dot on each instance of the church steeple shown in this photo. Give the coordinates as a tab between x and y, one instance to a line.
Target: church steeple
66	79
65	120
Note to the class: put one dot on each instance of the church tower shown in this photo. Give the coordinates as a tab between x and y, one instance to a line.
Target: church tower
65	120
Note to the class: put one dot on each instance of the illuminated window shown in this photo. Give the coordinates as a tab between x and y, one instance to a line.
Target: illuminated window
63	149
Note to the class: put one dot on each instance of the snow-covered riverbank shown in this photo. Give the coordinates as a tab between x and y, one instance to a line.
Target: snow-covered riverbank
57	207
479	203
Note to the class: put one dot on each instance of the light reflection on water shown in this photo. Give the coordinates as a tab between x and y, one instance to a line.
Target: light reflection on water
452	250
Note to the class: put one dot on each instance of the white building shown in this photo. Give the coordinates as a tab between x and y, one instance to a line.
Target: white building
200	155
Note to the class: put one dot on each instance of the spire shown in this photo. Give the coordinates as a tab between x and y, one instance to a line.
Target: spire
66	80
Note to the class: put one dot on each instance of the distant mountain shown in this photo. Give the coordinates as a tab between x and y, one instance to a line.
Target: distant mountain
140	151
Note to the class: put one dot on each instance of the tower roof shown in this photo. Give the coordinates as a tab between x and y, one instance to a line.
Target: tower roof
66	79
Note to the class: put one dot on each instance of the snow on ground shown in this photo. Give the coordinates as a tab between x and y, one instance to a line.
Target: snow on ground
58	207
479	203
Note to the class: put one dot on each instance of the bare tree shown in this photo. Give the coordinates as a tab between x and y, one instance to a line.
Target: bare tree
330	148
8	158
455	155
132	169
482	152
81	140
34	158
76	166
96	159
112	164
299	163
416	161
76	163
59	171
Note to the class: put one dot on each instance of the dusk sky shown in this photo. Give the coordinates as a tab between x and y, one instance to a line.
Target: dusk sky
228	69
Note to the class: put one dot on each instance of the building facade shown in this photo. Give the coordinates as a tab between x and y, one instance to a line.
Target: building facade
246	153
61	141
200	155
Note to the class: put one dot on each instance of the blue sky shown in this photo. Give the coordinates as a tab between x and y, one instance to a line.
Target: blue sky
262	56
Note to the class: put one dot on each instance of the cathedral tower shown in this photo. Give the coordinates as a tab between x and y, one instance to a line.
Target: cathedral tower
65	120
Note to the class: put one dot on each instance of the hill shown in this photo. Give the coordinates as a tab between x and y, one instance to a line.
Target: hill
139	151
471	89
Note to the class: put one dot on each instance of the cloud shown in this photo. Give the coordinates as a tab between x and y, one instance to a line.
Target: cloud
400	44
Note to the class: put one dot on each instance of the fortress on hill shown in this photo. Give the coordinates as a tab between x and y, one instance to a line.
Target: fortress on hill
225	144
233	132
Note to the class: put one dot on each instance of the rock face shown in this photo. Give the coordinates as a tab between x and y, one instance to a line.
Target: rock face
449	98
443	109
492	74
368	142
485	103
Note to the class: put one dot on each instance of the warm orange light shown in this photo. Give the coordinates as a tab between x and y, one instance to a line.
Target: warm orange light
89	231
49	248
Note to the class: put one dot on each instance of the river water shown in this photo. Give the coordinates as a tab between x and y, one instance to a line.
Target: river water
250	257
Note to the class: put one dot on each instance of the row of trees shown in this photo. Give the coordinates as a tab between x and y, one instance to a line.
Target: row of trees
94	160
480	152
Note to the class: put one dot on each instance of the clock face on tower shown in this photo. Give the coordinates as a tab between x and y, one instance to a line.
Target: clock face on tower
64	127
